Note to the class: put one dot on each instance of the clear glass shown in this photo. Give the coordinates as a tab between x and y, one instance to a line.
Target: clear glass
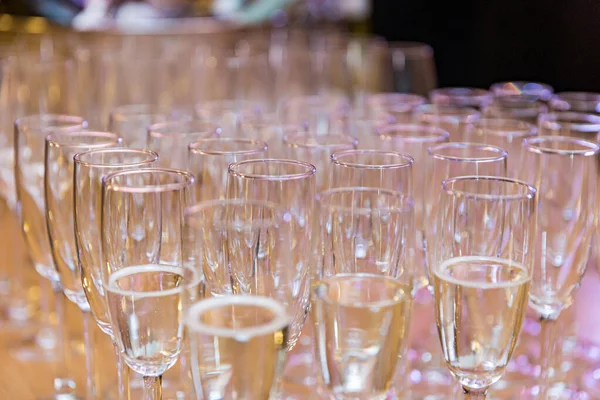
541	91
461	97
414	67
565	172
482	265
229	113
362	289
291	185
455	120
570	123
518	106
144	269
585	102
372	168
131	121
229	336
317	150
171	140
316	113
400	106
507	134
210	158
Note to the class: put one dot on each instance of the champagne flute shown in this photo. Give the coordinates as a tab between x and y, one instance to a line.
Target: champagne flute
361	290
30	134
90	168
229	336
565	172
146	280
482	266
461	97
210	158
455	120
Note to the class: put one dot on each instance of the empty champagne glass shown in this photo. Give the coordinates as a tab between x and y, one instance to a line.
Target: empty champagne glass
523	107
372	168
508	134
585	102
317	150
361	290
147	282
482	266
455	120
564	171
90	168
30	135
210	158
541	91
461	97
171	140
229	336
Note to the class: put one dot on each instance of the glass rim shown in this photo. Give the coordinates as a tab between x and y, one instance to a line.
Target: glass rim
470	96
197	279
125	112
405	200
505	127
280	316
529	190
434	134
195	147
310	169
112	139
437	112
362	305
576	120
161	130
192	211
160	188
393	101
407	160
502	154
79	157
37	119
338	141
534	145
542	90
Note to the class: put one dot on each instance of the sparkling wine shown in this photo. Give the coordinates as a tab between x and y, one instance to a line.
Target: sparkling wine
145	303
361	325
480	306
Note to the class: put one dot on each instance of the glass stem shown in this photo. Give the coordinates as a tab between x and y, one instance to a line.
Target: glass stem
547	351
92	377
122	375
473	394
153	387
64	385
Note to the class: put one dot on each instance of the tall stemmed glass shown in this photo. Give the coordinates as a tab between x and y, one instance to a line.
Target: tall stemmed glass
61	147
147	283
565	172
482	266
90	168
210	158
455	120
30	134
361	290
461	97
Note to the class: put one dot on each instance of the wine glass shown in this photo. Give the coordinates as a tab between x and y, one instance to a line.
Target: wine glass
361	291
461	97
147	282
229	336
585	102
523	107
171	140
540	91
564	171
30	134
90	168
210	158
482	267
455	120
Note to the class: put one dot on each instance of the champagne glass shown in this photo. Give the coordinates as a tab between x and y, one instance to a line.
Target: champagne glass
461	97
210	158
30	134
361	290
61	147
523	107
171	140
229	336
541	91
146	280
507	134
372	168
585	102
455	120
317	150
569	123
482	266
131	121
565	173
90	168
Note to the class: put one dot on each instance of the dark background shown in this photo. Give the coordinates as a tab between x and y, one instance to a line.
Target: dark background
479	42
